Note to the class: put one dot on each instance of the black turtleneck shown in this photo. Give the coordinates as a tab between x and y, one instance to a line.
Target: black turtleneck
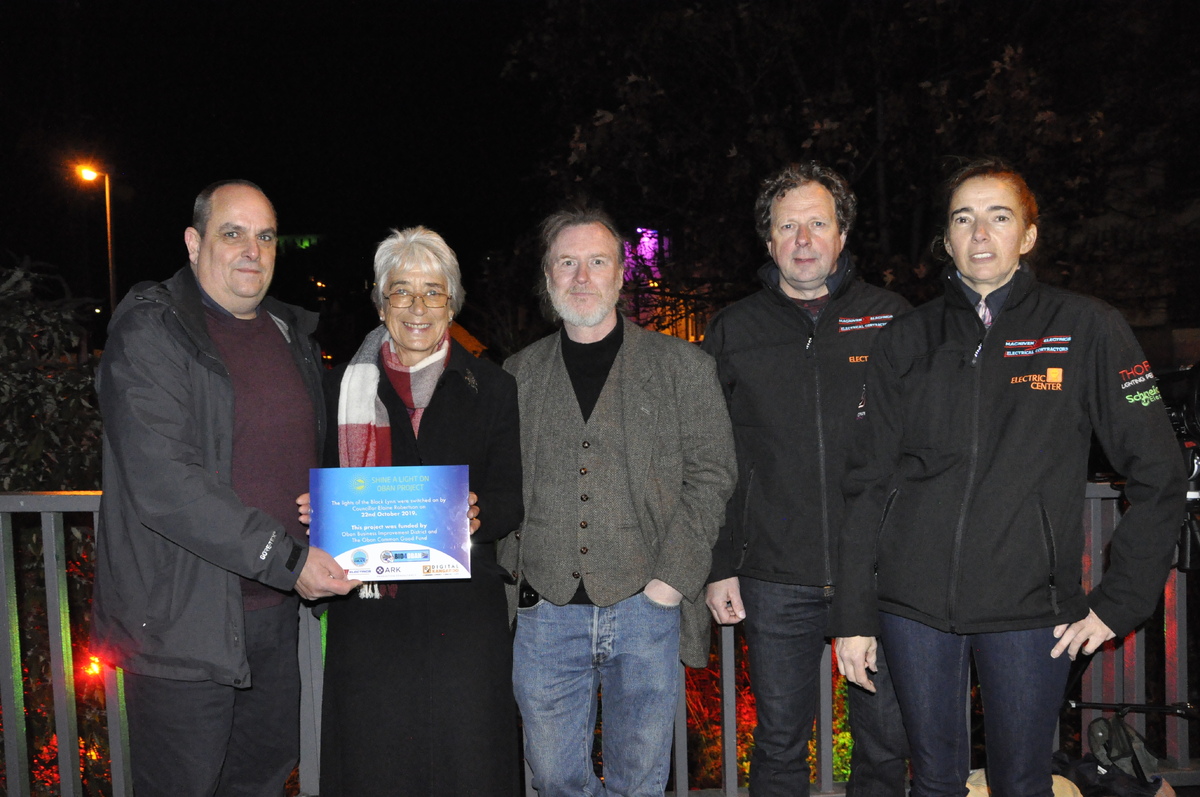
588	365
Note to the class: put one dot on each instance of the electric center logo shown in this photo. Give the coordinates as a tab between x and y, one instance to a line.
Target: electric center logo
1051	380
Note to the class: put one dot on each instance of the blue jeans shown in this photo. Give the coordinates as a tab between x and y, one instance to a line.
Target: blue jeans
1022	691
785	635
561	655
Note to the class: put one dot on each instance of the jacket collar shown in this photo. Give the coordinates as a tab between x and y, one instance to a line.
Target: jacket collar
1023	283
839	282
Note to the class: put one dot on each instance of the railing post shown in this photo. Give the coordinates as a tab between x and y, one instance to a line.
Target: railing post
681	757
312	669
118	732
1176	664
825	724
729	751
12	687
62	662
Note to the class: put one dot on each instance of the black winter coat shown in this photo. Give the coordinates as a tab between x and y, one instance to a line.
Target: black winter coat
418	685
967	486
793	390
173	536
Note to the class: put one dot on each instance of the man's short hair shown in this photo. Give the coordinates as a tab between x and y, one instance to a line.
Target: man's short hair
417	248
553	226
202	209
795	175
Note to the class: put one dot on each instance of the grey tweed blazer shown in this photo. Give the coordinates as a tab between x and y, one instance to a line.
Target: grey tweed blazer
679	454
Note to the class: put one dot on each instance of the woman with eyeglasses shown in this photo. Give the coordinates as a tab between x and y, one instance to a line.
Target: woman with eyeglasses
418	675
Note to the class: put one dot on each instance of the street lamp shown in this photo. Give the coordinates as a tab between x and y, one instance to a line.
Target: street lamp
88	173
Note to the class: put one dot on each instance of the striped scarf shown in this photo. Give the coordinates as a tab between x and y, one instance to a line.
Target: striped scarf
364	429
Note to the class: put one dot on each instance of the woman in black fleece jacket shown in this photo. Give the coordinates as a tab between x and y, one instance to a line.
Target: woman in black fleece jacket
964	531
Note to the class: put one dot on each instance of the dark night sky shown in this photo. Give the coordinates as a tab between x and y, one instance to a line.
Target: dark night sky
355	117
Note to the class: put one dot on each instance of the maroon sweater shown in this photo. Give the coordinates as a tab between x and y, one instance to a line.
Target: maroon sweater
274	427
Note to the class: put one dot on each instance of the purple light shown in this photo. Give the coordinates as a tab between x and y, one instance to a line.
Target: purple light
645	255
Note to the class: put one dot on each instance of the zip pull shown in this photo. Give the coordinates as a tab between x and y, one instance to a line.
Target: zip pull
975	356
811	335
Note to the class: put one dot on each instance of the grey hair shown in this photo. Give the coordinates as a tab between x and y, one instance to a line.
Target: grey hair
417	248
202	208
794	175
553	226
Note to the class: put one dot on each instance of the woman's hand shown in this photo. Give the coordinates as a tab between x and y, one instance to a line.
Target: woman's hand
856	659
304	504
1089	633
473	511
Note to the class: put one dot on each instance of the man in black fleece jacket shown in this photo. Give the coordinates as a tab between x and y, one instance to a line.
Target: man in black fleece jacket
791	359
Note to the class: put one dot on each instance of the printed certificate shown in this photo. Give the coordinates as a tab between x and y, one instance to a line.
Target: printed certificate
393	524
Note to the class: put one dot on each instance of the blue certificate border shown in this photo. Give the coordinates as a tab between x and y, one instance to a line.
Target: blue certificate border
397	523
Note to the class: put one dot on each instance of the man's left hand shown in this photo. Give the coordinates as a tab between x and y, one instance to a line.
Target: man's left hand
663	593
1089	634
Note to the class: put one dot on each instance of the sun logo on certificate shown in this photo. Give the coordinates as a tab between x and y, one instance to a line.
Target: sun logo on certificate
360	484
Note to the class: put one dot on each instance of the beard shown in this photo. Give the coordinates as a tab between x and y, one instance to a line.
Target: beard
578	317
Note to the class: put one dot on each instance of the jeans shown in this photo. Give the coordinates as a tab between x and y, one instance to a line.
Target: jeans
1022	689
785	635
561	655
201	738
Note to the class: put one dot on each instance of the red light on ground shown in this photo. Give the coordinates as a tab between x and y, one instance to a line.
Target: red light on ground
93	667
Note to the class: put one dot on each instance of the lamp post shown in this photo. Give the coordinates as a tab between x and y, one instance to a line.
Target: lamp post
90	174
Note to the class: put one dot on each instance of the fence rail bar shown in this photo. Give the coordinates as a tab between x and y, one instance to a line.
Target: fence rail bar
1117	674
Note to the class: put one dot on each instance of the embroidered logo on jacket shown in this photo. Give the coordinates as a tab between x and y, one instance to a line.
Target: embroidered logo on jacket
863	322
1046	345
1136	374
1051	380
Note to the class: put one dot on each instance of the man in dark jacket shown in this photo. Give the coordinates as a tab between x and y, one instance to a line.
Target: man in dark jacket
791	359
212	410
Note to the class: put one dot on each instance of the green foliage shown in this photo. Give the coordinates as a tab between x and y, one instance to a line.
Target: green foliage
50	440
49	421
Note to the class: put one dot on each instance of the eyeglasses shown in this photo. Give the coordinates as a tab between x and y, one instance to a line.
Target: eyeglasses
434	300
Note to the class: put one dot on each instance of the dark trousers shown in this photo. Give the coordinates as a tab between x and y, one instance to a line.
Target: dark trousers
1022	691
201	738
785	635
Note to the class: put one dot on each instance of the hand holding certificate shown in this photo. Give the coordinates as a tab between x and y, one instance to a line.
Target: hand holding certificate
393	524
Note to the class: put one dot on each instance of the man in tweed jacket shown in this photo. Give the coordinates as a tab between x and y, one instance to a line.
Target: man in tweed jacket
628	463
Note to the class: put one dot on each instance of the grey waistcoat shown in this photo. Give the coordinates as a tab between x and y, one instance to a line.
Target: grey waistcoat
581	523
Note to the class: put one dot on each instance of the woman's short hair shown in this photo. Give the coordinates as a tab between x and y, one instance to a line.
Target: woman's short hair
1000	169
794	175
418	248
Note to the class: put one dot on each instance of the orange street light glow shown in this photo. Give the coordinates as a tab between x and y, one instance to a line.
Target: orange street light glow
88	173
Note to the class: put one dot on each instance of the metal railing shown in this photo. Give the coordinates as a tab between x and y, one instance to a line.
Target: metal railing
1117	674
